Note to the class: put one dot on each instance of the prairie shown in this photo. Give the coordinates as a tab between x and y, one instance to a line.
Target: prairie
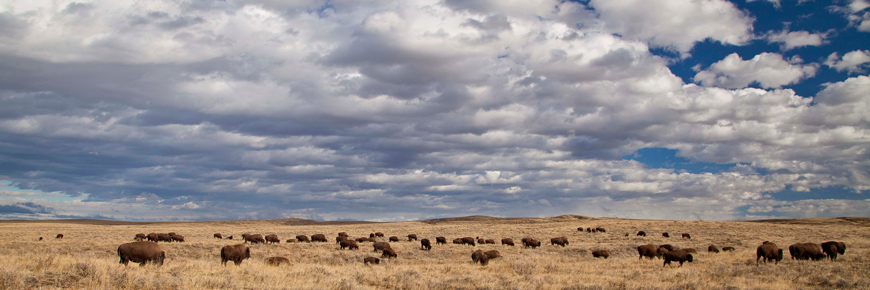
86	257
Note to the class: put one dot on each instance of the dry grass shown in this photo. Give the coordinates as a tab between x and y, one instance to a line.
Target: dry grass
86	257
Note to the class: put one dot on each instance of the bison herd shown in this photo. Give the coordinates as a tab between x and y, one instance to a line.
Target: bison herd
146	249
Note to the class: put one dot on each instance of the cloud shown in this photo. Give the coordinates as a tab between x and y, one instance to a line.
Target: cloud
793	39
853	61
769	70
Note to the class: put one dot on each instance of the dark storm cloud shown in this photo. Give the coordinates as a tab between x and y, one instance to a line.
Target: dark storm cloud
24	208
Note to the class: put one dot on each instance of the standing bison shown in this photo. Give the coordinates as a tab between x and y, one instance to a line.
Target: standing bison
140	237
273	239
236	253
561	241
530	242
769	251
141	252
468	241
302	238
677	256
277	261
349	244
666	235
177	238
371	260
152	237
318	238
440	240
649	250
164	238
479	257
600	254
380	246
412	237
832	248
507	241
806	251
255	239
425	244
687	236
218	236
59	236
389	253
394	239
712	249
600	230
641	234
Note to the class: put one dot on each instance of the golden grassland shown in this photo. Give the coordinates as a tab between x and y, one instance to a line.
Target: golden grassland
86	257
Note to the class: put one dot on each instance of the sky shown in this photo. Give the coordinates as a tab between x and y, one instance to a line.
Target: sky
375	110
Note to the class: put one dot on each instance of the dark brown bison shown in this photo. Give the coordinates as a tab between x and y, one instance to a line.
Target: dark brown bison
457	241
171	233
668	247
272	239
649	250
236	253
530	242
492	254
164	238
481	241
59	236
666	235
371	260
152	237
425	244
769	251
580	229
389	253
727	249
641	234
489	241
588	230
140	237
338	239
277	261
246	236
687	236
177	238
40	238
600	230
690	250
350	244
256	239
600	254
343	234
394	239
440	240
562	241
806	251
362	240
479	257
412	237
218	236
290	241
230	238
379	234
677	256
141	252
832	248
380	246
303	238
468	241
712	249
507	241
318	238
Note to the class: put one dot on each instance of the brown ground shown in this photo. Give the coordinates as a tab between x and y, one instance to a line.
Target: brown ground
86	257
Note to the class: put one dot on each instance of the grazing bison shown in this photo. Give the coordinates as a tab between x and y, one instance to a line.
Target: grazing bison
530	242
277	261
273	239
588	230
164	238
379	234
291	241
806	251
394	239
218	236
490	241
712	249
362	240
425	244
600	230
371	260
479	257
492	254
666	235
141	252
380	246
230	238
171	233
318	238
350	244
152	237
687	236
769	251
256	239
468	241
562	241
303	238
338	239
481	241
236	253
59	236
727	249
668	247
177	238
507	241
389	253
140	237
580	229
412	237
832	248
440	240
457	241
649	250
600	254
641	234
677	256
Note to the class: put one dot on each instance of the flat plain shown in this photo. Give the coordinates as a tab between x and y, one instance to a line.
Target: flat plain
86	257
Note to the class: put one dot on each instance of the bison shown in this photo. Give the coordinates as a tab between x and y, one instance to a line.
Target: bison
687	236
350	244
562	241
177	238
343	234
806	251
468	241
481	241
141	252
677	256
666	235
600	230
712	249
255	239
273	239
832	248
318	238
457	241
492	254
668	247
649	251
164	238
152	237
389	253
379	234
291	241
230	238
507	241
394	239
362	240
530	242
690	250
218	236
277	261
412	237
140	237
371	260
479	257
769	251
303	238
236	253
425	244
641	234
600	254
490	241
440	240
59	236
380	246
727	249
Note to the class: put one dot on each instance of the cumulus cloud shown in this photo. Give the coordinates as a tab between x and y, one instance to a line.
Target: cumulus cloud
853	61
793	39
769	70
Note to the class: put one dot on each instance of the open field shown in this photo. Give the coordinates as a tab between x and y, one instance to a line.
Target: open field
86	257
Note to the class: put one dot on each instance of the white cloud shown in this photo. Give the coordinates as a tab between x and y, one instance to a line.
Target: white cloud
853	61
769	70
793	39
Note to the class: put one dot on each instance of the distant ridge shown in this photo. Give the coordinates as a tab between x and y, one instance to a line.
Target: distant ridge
858	221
